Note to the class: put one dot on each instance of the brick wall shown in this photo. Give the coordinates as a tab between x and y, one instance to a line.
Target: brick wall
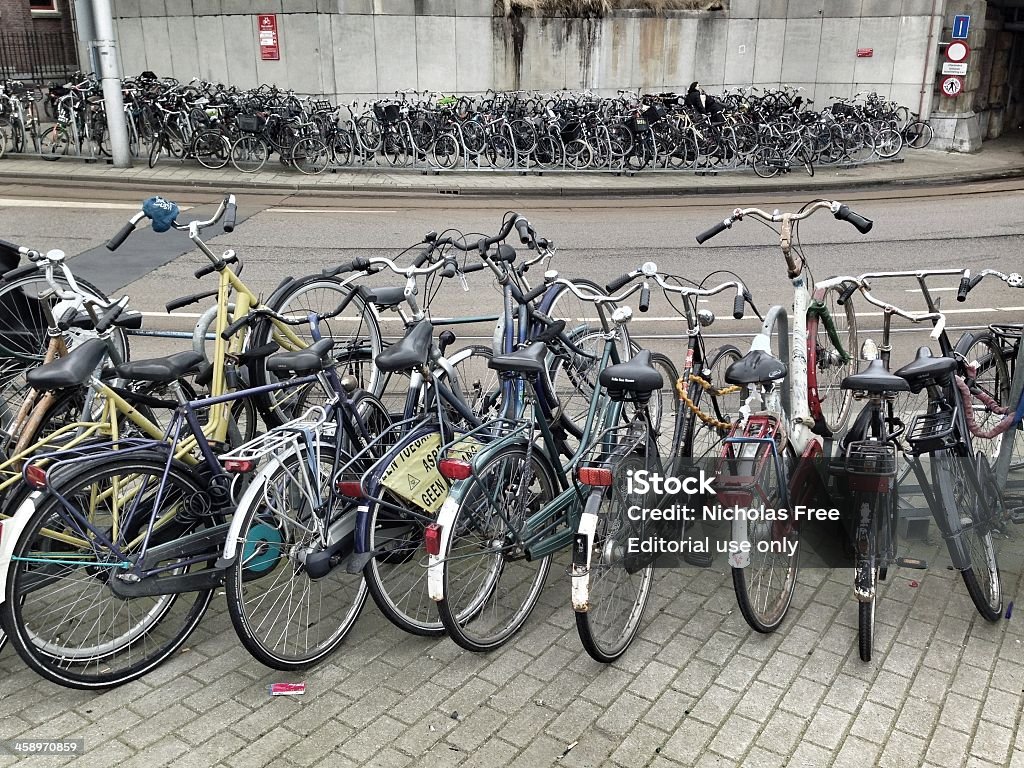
16	16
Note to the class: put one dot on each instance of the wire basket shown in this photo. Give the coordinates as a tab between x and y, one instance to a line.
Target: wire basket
654	113
387	113
870	457
250	123
932	431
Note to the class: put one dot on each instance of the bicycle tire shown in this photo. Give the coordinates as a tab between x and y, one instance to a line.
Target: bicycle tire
489	588
866	616
356	334
310	155
701	440
992	378
249	153
617	589
479	384
285	618
764	613
49	651
954	490
829	404
764	162
211	149
918	134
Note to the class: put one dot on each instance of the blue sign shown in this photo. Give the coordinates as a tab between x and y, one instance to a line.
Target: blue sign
961	26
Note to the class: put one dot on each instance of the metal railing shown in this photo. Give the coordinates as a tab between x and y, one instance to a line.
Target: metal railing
37	56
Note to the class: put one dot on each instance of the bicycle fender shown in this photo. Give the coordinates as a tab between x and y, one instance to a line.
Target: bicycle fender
250	497
11	532
582	548
446	520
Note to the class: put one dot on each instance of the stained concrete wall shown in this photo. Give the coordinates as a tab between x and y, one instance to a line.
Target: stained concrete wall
351	49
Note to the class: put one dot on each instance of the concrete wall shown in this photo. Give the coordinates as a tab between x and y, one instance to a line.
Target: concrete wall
361	48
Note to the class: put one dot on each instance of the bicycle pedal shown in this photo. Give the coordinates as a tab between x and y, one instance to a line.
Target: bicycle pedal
911	562
1016	515
699	559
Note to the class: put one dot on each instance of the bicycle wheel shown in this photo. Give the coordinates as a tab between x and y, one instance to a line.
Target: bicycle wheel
766	162
63	615
480	385
617	588
702	440
489	586
992	378
866	575
828	363
310	155
888	143
804	156
765	579
578	154
355	331
446	150
918	134
956	486
341	148
54	143
285	617
211	149
249	153
663	407
499	152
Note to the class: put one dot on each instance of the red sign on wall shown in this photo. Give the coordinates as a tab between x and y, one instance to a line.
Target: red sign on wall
270	48
865	53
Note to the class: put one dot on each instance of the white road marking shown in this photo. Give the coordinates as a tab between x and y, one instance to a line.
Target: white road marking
932	290
323	210
10	202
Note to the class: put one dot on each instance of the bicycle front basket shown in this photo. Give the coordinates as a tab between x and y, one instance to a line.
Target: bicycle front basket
250	123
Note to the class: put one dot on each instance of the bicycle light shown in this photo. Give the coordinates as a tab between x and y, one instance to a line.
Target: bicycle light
36	476
455	469
599	476
239	466
432	539
351	488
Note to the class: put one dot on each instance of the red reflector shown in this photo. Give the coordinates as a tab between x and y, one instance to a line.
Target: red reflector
455	469
36	476
239	465
351	488
600	476
432	537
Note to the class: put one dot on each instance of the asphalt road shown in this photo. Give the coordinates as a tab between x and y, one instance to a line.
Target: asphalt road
973	226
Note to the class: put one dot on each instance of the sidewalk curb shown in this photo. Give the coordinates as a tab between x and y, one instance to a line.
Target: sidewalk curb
589	191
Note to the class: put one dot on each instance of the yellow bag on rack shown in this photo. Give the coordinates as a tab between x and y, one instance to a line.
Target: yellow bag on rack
413	474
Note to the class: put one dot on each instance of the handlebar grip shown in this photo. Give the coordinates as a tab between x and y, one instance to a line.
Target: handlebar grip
645	298
965	286
862	224
209	269
618	282
184	301
24	269
424	256
473	268
115	242
229	216
846	294
235	327
451	266
108	317
523	226
737	306
707	234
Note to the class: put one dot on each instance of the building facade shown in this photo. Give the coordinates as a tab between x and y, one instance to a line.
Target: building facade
37	40
360	49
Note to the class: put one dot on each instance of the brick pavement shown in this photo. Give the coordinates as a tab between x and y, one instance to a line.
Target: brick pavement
697	688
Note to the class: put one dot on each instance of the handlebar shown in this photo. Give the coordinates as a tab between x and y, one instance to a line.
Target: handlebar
839	211
228	210
861	284
967	283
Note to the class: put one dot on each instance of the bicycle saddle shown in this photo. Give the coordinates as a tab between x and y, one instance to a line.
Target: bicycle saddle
635	375
410	351
527	360
161	369
875	379
755	367
926	369
70	371
384	298
312	358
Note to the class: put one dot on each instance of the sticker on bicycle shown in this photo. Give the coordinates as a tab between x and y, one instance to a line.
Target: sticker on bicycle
414	476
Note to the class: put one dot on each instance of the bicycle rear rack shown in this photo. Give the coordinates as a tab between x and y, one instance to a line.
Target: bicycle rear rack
871	466
932	431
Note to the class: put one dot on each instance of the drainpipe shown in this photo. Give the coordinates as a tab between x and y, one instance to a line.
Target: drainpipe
927	59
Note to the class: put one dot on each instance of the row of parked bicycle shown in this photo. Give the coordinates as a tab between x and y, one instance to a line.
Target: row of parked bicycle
445	483
770	131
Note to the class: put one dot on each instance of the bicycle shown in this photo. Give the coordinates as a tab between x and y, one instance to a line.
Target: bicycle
963	503
794	404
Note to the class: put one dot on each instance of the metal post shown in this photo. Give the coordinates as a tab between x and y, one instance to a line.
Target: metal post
106	53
